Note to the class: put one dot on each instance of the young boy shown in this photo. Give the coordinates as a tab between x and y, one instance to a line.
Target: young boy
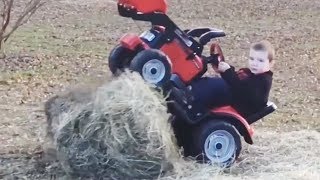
247	90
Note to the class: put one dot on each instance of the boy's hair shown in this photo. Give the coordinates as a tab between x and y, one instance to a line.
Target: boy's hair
265	45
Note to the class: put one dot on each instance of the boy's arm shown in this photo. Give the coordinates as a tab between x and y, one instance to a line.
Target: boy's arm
231	77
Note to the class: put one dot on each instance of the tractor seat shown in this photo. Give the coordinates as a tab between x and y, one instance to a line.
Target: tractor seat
269	108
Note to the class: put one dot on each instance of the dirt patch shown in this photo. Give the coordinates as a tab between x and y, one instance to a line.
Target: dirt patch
19	63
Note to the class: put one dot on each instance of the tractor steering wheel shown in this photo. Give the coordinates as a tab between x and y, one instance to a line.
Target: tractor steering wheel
216	54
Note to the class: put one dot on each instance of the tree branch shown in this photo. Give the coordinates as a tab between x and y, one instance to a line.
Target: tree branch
2	12
7	16
3	16
30	8
24	17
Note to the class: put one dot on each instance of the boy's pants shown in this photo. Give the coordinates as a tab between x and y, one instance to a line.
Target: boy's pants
210	92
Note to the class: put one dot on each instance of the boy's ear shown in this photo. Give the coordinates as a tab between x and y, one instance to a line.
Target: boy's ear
272	63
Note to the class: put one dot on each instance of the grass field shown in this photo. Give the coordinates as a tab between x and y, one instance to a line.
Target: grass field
66	43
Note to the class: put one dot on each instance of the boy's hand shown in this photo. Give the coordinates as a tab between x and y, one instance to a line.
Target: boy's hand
223	66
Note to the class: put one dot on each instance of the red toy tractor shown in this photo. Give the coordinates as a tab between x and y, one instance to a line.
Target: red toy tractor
171	59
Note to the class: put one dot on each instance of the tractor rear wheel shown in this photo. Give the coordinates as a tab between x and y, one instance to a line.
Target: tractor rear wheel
216	142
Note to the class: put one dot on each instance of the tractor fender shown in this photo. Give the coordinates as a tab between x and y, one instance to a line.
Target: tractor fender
132	41
232	116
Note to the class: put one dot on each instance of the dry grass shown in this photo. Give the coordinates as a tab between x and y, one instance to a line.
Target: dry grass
66	43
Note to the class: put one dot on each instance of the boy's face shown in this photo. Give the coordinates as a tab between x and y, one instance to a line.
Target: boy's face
258	61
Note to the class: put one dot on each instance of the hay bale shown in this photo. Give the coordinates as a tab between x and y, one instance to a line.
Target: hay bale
63	103
118	130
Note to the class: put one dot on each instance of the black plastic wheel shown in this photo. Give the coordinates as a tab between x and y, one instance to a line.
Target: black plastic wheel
119	59
153	66
216	142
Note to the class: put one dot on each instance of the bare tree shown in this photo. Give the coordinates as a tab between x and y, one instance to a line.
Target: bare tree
7	27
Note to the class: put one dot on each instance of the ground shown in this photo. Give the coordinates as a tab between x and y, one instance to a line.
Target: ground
66	43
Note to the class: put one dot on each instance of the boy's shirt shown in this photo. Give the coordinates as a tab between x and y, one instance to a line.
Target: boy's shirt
250	92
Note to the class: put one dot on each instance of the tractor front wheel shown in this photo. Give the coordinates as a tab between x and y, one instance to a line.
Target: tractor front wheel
153	66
